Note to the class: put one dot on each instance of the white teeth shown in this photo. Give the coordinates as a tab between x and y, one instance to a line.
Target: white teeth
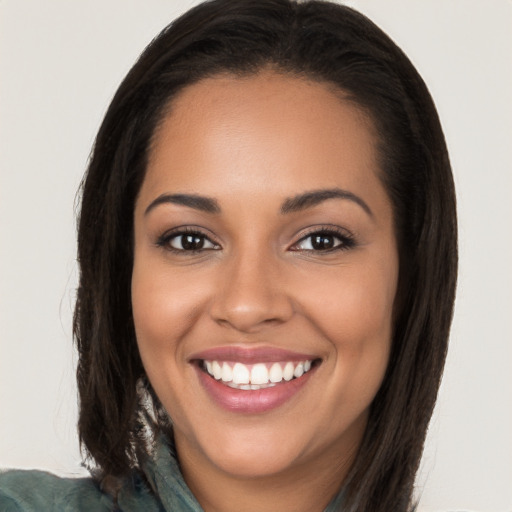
240	374
257	376
227	373
249	386
276	373
217	370
288	371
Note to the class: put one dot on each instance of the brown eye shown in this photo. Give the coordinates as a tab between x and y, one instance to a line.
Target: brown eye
190	242
324	241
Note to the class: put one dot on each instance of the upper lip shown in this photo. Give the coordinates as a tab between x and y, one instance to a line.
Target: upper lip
251	355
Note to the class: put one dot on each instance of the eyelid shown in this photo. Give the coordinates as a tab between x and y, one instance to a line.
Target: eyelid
165	238
347	239
209	244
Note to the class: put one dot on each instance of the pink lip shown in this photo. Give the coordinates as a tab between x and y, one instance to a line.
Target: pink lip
251	355
255	401
251	401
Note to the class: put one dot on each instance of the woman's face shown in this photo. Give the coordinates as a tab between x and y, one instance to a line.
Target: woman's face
265	274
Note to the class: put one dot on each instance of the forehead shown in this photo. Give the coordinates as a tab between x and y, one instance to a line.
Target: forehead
273	131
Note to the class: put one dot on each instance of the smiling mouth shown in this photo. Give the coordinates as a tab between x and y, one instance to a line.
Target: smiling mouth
252	377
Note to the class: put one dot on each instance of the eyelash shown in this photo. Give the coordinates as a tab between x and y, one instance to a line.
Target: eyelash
165	240
345	240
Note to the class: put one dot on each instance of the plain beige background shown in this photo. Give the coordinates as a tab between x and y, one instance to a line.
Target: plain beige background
60	63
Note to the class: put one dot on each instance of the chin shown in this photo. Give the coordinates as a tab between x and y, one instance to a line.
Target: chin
254	459
245	451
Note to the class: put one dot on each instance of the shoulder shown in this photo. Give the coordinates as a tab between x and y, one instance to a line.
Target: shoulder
27	491
37	491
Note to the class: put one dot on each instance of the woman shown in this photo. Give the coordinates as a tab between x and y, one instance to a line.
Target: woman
262	318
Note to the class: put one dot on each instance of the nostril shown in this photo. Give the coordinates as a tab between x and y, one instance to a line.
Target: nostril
247	309
248	323
250	292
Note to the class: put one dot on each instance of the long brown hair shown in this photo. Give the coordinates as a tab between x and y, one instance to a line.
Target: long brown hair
324	42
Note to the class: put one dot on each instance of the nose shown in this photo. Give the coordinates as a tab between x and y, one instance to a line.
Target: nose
251	294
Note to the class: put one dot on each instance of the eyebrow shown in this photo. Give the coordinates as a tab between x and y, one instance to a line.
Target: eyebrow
201	203
315	197
291	205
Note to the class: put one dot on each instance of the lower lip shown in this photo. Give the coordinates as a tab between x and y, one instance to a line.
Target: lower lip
252	401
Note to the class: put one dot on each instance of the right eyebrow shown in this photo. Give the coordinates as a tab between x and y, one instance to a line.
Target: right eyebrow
201	203
315	197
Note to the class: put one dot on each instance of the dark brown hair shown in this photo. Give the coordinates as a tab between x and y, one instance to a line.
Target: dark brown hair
323	42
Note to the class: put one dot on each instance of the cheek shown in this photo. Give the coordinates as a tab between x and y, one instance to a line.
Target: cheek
353	309
354	306
164	311
164	308
163	302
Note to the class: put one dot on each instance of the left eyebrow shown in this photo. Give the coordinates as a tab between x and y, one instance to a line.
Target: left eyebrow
314	197
197	202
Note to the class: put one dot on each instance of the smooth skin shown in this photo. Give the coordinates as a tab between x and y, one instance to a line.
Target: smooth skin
320	280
